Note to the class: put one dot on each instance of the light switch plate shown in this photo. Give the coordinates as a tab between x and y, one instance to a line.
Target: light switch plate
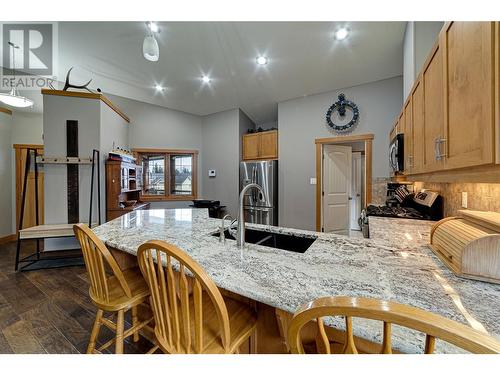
312	181
211	173
464	199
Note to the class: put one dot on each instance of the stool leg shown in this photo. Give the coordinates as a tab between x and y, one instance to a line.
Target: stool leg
119	332
18	251
95	332
134	322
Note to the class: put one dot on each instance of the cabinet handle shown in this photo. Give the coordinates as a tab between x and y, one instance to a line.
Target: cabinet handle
410	161
439	155
436	148
442	141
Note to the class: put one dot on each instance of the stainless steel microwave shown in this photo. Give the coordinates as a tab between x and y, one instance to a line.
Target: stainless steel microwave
396	153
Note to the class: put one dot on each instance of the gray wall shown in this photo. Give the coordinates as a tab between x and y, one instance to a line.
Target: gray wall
426	34
245	123
418	41
408	58
220	133
152	126
27	128
58	109
302	120
6	208
113	129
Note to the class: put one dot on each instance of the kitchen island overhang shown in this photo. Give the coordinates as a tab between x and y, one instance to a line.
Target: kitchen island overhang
396	265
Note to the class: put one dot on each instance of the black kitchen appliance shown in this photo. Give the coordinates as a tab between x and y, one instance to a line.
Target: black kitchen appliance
215	210
396	153
424	205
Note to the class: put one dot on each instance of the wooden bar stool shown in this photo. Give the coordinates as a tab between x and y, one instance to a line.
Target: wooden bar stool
122	291
434	326
201	321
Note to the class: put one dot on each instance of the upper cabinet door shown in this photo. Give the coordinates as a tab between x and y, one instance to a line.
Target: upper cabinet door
269	145
408	139
433	107
417	120
251	145
468	62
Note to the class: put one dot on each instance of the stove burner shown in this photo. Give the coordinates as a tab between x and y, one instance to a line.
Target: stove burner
401	212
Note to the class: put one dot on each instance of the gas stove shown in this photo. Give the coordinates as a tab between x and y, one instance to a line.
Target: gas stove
400	212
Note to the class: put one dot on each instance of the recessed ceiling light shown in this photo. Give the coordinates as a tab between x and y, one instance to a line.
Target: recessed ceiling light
153	27
262	60
206	79
159	88
341	34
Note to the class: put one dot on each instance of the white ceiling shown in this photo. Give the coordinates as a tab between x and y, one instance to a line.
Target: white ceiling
304	59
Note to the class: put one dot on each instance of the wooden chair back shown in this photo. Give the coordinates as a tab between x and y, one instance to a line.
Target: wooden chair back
96	255
172	300
434	326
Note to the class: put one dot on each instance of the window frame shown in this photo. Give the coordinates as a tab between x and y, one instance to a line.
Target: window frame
167	153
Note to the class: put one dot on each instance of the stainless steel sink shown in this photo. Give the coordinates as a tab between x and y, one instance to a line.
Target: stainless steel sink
296	244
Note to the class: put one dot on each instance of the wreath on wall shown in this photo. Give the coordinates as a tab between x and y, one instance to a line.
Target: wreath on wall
340	106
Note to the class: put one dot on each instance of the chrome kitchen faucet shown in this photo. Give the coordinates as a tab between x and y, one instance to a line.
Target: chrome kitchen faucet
240	237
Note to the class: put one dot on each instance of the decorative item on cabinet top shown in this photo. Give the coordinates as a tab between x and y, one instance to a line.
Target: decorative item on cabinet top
340	107
469	244
68	85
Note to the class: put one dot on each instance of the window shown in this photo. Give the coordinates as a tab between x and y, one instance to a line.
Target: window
168	174
181	175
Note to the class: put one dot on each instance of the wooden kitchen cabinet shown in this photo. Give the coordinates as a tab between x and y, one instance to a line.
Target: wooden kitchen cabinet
450	118
468	64
417	120
251	146
433	102
257	146
394	132
408	136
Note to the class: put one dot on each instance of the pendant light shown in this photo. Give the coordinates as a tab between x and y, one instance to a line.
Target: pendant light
150	48
13	98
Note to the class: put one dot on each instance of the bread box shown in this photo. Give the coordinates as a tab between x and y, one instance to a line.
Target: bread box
469	244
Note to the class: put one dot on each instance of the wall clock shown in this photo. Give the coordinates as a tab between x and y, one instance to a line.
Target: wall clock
340	106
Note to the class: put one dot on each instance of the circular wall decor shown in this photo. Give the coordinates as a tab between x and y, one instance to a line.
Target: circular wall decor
340	106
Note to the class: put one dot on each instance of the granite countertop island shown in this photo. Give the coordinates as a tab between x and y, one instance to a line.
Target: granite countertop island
395	264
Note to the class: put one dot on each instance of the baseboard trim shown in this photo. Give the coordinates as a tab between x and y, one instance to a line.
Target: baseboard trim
7	239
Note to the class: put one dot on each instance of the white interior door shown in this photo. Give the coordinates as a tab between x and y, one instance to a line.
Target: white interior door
337	164
356	190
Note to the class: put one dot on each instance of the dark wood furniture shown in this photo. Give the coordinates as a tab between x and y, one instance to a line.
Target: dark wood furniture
123	184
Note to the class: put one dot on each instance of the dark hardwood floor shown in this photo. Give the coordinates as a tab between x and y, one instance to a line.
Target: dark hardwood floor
48	311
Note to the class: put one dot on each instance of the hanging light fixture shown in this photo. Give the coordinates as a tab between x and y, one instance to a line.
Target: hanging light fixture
150	48
13	98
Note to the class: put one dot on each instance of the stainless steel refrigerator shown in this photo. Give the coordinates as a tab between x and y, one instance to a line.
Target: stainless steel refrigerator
259	209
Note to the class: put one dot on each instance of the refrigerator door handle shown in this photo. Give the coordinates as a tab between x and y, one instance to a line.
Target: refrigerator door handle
254	181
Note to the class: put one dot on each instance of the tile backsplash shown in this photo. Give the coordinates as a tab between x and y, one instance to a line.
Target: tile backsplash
483	197
379	190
